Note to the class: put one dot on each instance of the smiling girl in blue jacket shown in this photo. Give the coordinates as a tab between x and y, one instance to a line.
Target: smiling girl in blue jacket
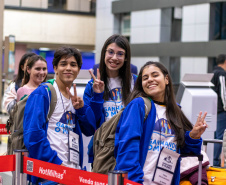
138	143
106	94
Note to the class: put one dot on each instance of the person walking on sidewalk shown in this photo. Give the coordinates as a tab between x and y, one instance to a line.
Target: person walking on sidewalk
219	80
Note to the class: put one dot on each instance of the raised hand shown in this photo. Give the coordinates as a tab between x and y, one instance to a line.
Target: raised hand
77	102
98	85
199	127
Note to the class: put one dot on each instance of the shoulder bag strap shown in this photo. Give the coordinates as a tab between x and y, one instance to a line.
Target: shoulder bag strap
147	104
53	100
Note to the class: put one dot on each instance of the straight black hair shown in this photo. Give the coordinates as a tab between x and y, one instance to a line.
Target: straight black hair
67	52
221	59
124	71
20	74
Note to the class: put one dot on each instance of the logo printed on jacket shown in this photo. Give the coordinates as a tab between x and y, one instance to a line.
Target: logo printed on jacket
67	122
162	128
114	104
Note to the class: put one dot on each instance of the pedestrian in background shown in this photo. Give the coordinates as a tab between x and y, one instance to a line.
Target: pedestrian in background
219	81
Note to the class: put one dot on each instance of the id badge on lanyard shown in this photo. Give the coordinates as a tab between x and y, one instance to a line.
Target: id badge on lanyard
73	145
165	167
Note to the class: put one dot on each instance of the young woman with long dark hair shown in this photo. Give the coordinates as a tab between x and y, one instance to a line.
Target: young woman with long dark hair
140	144
106	94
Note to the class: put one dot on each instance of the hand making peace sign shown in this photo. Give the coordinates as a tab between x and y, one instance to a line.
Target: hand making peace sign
77	102
199	127
98	85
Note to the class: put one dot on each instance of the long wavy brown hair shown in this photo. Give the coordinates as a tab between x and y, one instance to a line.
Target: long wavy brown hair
176	118
30	63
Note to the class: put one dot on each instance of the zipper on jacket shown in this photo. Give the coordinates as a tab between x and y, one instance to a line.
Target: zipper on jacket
217	179
49	102
213	178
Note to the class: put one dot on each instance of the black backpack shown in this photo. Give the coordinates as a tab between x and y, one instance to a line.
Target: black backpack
104	142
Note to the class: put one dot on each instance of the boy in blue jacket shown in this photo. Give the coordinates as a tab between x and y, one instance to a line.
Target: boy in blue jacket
58	140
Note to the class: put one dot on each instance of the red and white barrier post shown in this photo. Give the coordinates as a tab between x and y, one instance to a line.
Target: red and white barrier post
19	177
117	177
21	165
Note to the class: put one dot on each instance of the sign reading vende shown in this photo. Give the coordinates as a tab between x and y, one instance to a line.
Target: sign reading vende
62	174
3	129
128	182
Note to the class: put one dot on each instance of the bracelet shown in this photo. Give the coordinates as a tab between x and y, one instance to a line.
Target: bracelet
194	137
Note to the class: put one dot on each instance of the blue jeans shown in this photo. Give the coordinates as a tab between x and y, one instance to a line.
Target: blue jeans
221	126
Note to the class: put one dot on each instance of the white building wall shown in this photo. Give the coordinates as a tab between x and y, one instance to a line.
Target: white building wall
12	2
145	26
195	28
195	23
104	24
42	27
193	65
148	25
78	5
35	4
140	61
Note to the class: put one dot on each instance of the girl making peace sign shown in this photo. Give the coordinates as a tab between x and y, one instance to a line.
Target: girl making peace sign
149	150
106	94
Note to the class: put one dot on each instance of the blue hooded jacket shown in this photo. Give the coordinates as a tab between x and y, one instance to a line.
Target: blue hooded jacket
35	127
132	139
96	101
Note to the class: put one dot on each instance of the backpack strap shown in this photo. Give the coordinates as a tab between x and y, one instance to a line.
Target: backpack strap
16	87
147	104
53	100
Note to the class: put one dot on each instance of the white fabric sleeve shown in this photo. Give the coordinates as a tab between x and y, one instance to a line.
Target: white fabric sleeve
9	98
223	91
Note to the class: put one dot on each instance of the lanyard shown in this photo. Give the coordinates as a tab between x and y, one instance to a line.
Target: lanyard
160	132
61	97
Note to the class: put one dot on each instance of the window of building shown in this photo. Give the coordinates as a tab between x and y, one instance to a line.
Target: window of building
57	4
211	64
171	24
93	5
125	25
218	21
173	66
176	24
174	69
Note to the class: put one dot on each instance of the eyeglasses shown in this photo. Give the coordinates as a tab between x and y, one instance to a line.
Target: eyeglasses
111	53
